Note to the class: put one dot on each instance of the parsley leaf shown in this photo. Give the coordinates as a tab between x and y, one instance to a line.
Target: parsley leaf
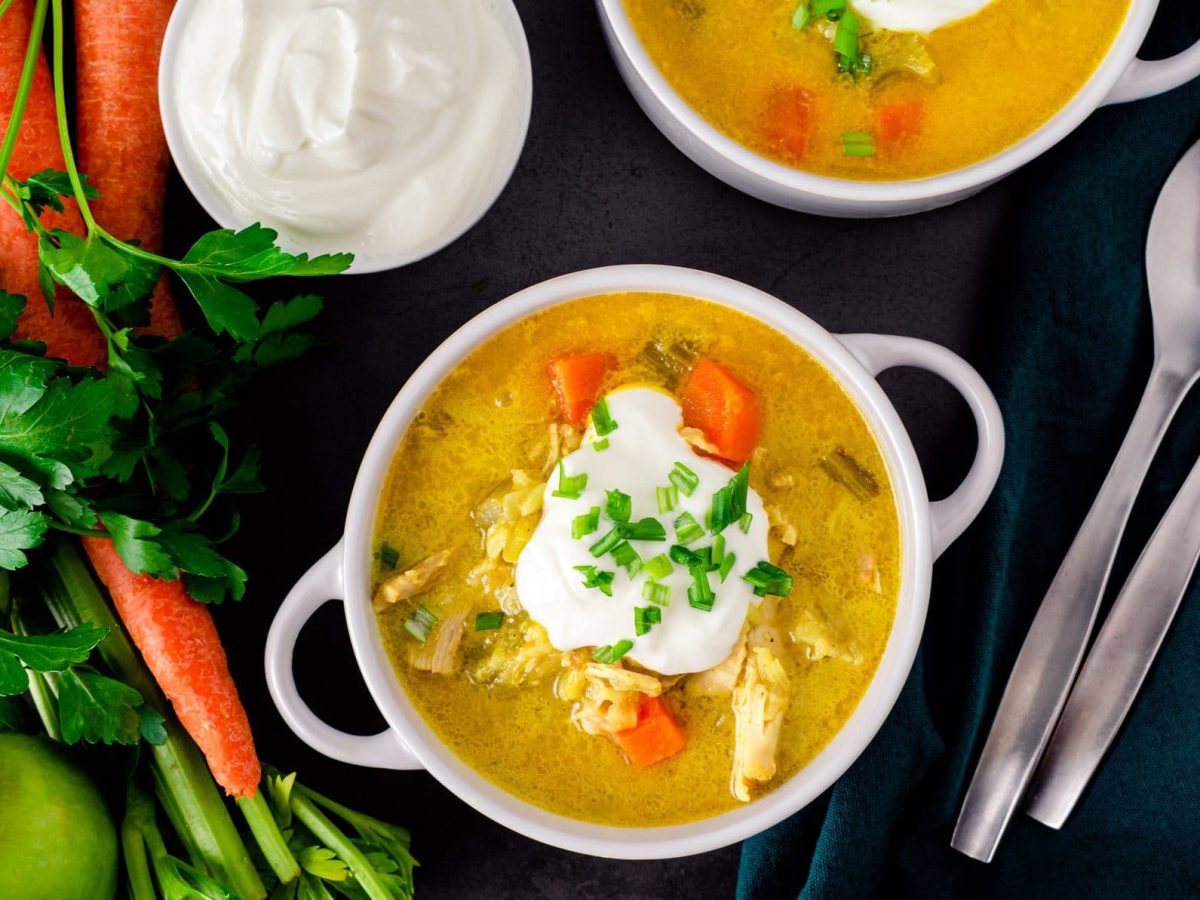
17	491
252	254
323	863
95	708
10	715
135	542
20	530
227	309
99	274
43	653
23	380
13	679
65	435
11	307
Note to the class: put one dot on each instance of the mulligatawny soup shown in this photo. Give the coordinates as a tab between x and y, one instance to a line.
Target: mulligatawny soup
638	558
881	89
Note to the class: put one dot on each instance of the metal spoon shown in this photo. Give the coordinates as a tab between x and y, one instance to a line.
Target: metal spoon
1054	647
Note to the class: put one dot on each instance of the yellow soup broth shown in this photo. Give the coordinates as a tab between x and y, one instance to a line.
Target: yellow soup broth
931	104
492	414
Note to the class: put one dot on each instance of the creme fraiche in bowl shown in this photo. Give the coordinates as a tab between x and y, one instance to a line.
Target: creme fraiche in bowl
386	128
637	561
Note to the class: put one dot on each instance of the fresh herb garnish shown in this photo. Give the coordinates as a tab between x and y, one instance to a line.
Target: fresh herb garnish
668	498
610	653
745	522
624	555
684	479
600	446
618	506
729	503
769	579
700	593
684	556
644	617
658	594
594	577
611	538
658	567
858	143
588	523
726	566
601	420
388	556
489	621
570	486
687	529
420	624
647	529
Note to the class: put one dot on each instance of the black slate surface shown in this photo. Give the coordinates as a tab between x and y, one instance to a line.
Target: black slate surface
597	185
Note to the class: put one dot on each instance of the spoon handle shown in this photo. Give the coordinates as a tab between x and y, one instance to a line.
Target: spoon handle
1118	662
1053	649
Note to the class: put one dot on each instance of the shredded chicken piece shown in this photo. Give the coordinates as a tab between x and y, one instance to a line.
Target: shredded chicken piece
417	580
719	681
440	655
819	641
569	439
512	517
510	603
759	703
521	655
782	481
623	679
604	707
784	530
868	573
695	437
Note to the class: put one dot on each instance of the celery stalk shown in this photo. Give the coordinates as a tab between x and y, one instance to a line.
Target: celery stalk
133	848
189	793
268	837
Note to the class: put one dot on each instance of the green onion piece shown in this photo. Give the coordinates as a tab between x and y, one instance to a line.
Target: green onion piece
600	445
687	529
744	522
606	543
801	16
830	9
619	506
647	529
684	479
717	553
601	420
729	503
596	578
588	523
684	556
610	653
726	566
572	486
850	474
420	624
489	621
658	594
845	39
658	567
768	579
700	594
858	150
644	617
388	556
668	498
857	137
624	555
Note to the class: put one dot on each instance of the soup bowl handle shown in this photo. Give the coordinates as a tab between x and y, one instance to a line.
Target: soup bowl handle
319	585
950	517
1148	77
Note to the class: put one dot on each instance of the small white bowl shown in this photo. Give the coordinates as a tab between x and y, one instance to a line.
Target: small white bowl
926	529
199	182
1119	77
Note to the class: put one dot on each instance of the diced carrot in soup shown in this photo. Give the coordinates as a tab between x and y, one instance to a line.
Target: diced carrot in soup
723	408
577	381
900	121
655	737
789	119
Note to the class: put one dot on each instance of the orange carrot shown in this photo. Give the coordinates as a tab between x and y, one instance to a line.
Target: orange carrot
121	143
900	121
724	409
71	331
577	381
789	119
179	642
655	736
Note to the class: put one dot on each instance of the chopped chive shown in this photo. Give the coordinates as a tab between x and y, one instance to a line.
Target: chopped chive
647	529
601	419
619	506
745	521
606	543
726	566
489	621
658	567
600	445
571	486
420	624
717	552
644	617
588	523
830	9
857	137
684	479
801	16
729	503
624	555
700	594
388	556
768	579
687	529
658	594
596	578
610	653
684	556
858	150
845	39
668	498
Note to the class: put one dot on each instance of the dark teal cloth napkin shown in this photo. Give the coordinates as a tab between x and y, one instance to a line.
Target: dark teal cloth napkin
1069	351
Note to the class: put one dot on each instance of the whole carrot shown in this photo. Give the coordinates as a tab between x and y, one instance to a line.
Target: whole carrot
180	645
71	329
120	138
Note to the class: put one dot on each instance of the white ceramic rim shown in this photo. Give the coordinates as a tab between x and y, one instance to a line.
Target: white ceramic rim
958	182
847	744
216	207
